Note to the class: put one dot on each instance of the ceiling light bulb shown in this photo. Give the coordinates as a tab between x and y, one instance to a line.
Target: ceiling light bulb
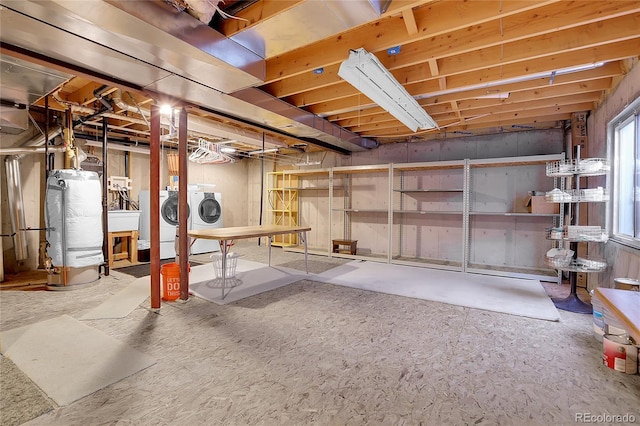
166	109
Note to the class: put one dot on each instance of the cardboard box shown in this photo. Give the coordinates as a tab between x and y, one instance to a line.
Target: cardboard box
537	204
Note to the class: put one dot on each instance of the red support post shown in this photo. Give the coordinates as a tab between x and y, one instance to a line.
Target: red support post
183	212
154	214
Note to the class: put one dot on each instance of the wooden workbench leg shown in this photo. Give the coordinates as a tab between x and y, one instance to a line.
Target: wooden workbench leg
133	247
110	251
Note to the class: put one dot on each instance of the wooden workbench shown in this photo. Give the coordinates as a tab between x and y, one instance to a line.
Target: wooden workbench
226	235
625	306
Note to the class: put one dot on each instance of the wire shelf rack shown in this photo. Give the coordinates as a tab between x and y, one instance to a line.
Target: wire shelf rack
578	234
570	167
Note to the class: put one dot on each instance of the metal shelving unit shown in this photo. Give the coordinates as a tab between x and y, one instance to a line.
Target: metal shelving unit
502	237
360	210
427	214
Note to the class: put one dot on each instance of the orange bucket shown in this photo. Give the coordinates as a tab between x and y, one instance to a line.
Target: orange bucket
171	280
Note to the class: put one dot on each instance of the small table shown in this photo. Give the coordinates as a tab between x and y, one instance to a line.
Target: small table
225	235
129	247
345	243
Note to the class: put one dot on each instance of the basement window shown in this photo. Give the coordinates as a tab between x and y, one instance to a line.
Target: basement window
624	132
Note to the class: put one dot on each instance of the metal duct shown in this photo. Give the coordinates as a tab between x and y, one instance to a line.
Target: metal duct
16	207
14	190
305	23
148	45
39	140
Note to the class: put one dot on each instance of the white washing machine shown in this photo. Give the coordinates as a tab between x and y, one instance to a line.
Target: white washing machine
207	214
168	220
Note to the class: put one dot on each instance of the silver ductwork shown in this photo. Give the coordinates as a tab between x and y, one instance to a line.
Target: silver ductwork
149	45
14	189
16	207
307	22
13	120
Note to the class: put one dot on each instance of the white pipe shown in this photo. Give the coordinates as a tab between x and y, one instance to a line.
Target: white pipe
23	150
16	207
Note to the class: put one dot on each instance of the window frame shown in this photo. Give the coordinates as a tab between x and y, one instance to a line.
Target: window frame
628	114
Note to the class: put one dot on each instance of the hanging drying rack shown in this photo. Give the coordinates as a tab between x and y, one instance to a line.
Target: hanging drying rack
209	153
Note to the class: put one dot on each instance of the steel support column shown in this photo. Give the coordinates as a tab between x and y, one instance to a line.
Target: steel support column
183	206
154	202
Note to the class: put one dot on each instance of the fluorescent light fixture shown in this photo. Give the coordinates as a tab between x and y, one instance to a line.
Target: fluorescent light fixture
364	72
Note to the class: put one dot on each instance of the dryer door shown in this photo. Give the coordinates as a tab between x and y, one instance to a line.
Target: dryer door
209	210
169	209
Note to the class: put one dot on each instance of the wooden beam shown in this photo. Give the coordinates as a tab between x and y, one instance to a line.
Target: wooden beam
588	80
484	69
433	67
563	42
434	19
563	104
519	27
589	22
410	21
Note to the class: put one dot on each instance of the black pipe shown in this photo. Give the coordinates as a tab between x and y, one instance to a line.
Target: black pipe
261	185
127	160
106	106
98	94
46	139
105	217
47	171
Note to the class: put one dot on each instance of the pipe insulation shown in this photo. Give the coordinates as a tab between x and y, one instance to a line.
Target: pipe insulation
73	217
16	207
21	151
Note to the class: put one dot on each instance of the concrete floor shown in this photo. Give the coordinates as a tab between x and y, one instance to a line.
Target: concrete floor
323	354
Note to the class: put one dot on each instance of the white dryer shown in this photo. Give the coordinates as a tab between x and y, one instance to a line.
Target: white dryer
169	204
207	214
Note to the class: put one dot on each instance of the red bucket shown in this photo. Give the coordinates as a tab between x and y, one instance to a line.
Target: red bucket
171	280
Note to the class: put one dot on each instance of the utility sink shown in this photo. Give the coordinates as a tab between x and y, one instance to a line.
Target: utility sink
123	220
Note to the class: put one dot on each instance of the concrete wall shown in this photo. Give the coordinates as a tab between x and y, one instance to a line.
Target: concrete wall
489	146
242	183
623	261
